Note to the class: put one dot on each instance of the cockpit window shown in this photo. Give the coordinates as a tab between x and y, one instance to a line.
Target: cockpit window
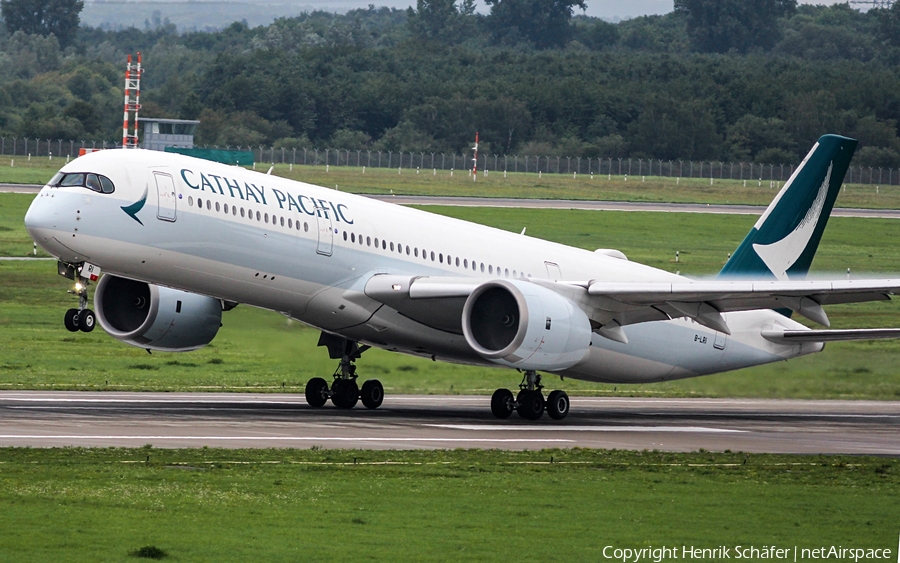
107	185
72	180
94	182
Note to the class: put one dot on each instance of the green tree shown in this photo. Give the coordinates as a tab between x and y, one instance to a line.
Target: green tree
889	22
543	23
718	26
43	17
440	20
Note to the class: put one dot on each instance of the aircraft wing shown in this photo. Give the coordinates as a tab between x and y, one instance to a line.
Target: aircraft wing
438	301
703	301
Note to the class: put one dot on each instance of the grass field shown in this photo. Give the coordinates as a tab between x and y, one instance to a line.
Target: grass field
326	505
262	351
521	185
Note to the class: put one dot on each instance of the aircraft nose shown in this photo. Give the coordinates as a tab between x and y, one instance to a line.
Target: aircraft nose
40	218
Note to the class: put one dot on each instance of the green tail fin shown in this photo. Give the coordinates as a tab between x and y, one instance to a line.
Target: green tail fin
784	240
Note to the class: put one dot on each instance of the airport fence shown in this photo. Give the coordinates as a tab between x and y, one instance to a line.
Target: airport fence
536	164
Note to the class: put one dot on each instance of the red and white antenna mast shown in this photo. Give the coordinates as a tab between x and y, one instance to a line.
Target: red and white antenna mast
132	103
475	159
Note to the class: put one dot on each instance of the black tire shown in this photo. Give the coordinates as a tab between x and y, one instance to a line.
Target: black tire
344	393
372	394
71	320
531	405
502	403
87	320
558	405
316	392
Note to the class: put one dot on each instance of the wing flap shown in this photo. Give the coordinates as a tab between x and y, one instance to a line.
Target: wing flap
800	336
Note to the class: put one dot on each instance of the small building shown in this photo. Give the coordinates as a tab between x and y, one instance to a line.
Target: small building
157	134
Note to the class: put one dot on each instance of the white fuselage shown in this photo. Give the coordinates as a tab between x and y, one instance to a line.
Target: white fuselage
308	251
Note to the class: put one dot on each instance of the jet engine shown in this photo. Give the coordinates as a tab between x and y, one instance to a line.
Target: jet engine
524	325
154	317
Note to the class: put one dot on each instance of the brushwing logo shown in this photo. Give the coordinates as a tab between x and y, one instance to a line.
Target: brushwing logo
133	209
781	255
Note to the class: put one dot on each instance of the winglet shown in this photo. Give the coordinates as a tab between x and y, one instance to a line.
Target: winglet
783	241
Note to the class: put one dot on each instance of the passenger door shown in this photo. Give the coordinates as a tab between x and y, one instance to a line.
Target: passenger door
326	231
165	187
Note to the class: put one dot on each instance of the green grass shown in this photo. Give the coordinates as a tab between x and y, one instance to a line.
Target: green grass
318	505
262	351
520	185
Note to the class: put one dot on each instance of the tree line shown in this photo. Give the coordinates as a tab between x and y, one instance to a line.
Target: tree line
731	80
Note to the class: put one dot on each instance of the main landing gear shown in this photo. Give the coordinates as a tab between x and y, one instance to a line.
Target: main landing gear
344	391
82	318
530	403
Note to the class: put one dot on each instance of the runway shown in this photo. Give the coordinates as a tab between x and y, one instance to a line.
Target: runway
231	420
588	205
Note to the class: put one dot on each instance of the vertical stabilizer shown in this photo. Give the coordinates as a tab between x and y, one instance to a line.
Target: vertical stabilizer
783	241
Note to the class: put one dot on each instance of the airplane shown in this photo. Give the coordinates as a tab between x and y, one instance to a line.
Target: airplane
182	239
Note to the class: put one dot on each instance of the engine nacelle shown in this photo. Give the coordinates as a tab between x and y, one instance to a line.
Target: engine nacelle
524	325
154	317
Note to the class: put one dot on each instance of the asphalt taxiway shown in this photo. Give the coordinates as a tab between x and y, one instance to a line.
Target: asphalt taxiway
239	420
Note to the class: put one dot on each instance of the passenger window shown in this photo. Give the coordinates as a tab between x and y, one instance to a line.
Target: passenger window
368	241
384	245
234	210
506	272
242	211
305	227
376	243
208	204
267	217
352	237
258	216
281	221
490	269
432	255
407	250
465	263
345	235
199	203
392	247
457	261
217	206
416	251
482	267
291	224
441	258
225	208
190	201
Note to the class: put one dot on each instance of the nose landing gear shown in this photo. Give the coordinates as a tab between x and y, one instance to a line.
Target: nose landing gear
82	318
344	391
530	403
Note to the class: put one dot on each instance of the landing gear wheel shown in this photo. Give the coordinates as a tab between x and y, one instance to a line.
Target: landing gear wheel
372	394
316	392
530	404
86	320
344	393
502	403
71	320
558	405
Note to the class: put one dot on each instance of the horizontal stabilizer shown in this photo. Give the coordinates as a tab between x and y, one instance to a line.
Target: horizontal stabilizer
800	336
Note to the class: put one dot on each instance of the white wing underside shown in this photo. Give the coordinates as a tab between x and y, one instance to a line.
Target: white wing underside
611	305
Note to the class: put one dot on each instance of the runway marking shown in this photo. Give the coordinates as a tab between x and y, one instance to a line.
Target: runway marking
494	428
276	438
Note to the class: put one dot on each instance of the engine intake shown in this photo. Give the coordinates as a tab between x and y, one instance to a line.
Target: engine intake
524	325
154	317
